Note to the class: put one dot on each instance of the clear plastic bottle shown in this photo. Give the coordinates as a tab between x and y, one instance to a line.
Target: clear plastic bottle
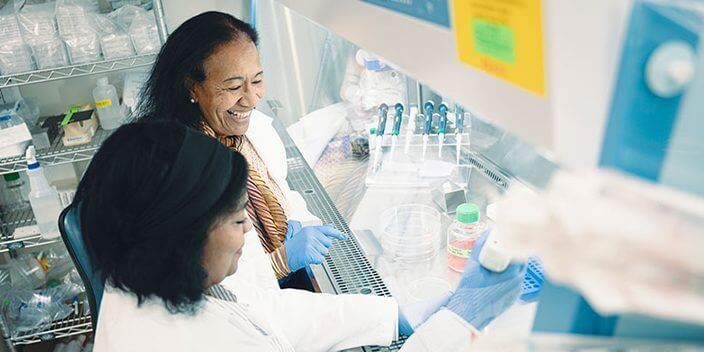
110	113
15	197
462	234
44	199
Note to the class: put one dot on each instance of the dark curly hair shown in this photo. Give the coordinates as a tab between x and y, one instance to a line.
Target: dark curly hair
122	180
165	94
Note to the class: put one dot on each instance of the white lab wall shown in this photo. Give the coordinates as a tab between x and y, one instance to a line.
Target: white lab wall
178	11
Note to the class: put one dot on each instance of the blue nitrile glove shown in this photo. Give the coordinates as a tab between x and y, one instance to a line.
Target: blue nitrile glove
293	227
482	295
310	245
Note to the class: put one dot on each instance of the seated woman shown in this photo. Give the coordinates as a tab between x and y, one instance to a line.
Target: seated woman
163	216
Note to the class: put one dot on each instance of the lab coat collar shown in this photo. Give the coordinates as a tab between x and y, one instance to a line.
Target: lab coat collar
268	145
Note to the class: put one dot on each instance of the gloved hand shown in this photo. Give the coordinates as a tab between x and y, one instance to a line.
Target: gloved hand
482	295
309	245
293	227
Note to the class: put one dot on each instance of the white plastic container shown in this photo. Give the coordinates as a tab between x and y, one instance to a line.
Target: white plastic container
462	234
43	198
14	135
108	104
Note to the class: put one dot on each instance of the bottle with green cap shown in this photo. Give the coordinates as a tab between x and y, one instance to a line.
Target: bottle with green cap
462	234
14	194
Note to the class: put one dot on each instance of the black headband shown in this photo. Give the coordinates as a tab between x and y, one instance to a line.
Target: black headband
198	178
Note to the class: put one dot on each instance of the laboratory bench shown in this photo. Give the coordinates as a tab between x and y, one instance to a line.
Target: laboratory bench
358	265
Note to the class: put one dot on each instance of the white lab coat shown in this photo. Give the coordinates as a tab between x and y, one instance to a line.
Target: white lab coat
300	320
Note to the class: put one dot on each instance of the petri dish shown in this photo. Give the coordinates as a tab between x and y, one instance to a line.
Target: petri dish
428	287
410	233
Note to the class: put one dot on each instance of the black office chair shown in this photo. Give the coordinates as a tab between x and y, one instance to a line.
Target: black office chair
70	228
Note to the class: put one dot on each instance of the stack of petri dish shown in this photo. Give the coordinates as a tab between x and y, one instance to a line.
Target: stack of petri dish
410	233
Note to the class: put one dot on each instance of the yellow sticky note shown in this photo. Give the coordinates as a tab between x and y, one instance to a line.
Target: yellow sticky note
103	103
503	38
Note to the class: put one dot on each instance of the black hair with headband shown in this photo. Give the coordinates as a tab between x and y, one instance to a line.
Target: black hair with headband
147	202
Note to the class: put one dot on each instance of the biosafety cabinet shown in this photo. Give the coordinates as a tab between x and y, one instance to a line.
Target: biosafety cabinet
396	112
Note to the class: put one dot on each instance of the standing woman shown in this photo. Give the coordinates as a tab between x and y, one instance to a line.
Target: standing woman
208	77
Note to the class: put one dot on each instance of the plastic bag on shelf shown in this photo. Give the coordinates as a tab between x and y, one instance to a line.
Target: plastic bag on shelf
82	48
66	292
77	29
114	41
145	34
57	262
40	33
124	15
25	272
50	53
117	4
29	310
141	26
14	53
74	277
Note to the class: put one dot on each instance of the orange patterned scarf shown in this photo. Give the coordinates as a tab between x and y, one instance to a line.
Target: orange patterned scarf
264	208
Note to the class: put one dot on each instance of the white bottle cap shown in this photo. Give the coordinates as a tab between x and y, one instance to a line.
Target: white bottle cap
31	156
494	256
103	81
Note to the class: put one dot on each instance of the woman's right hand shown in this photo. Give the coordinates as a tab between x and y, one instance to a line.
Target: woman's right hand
309	245
482	295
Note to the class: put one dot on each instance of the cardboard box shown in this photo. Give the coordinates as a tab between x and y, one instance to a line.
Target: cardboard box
78	124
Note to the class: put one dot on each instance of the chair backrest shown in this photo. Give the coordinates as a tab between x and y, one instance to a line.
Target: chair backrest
70	228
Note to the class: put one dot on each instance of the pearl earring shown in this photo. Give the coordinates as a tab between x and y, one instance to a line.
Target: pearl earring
193	101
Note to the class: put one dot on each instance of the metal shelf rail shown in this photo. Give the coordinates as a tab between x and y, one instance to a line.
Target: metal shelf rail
75	324
56	154
13	220
76	70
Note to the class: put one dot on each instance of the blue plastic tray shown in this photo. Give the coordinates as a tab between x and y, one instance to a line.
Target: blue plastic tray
533	280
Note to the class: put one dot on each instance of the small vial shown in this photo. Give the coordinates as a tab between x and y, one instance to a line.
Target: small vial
462	234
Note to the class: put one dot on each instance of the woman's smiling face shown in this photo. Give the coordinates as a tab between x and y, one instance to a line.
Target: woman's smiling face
233	85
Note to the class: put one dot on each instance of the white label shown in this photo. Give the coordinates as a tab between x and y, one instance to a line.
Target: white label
14	135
